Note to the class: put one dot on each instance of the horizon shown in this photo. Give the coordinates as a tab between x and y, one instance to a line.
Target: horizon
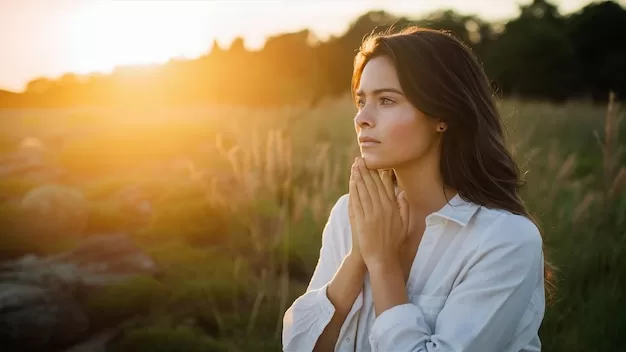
76	42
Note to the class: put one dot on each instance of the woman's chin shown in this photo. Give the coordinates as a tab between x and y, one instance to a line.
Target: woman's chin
374	162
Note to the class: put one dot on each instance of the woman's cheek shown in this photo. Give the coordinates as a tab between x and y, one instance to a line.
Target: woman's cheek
403	127
400	135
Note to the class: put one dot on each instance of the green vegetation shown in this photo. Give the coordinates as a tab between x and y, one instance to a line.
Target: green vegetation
236	229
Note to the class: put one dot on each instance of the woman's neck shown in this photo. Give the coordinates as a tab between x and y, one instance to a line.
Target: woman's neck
423	185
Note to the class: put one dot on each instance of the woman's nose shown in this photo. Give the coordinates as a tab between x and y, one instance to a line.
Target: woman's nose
363	119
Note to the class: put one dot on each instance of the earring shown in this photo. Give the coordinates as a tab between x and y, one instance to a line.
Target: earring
441	128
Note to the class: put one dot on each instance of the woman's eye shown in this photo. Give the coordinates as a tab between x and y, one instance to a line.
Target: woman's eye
360	103
386	101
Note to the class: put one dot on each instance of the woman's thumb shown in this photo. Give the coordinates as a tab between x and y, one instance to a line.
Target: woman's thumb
403	206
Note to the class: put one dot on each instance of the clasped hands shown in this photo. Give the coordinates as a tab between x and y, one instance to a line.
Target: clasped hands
378	218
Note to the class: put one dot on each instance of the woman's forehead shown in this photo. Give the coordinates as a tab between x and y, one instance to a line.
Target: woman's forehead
379	73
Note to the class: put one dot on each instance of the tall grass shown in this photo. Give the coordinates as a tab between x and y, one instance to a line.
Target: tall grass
575	188
273	193
238	218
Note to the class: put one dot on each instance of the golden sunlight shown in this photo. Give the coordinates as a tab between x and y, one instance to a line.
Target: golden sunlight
105	34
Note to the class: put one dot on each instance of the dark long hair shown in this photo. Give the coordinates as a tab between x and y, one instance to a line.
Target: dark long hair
442	78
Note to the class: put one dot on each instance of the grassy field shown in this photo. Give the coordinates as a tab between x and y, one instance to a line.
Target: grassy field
240	198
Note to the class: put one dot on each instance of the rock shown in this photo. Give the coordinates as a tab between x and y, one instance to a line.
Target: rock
52	212
39	296
35	318
97	261
97	342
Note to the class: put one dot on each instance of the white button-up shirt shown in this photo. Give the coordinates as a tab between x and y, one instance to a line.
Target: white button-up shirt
476	285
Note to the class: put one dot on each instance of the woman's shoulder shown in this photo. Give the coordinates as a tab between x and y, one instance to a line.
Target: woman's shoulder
499	227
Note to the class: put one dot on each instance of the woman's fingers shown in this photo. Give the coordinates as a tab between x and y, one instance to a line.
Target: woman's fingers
380	186
362	191
369	183
354	202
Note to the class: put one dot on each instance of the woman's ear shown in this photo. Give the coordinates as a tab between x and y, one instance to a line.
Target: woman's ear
442	127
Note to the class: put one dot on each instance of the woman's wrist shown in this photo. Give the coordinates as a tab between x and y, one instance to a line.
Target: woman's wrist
382	266
388	284
355	260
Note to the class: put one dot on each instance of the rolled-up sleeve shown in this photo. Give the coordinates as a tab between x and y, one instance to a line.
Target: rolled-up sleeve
483	312
305	320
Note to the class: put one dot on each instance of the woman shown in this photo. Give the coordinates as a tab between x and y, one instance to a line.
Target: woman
432	248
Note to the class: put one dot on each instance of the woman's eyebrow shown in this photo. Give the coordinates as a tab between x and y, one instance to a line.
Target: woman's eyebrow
380	90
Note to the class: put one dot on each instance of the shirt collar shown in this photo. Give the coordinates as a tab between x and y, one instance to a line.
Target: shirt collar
458	210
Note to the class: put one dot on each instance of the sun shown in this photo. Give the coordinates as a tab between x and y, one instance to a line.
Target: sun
105	34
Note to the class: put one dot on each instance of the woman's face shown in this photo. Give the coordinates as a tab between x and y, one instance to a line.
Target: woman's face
405	134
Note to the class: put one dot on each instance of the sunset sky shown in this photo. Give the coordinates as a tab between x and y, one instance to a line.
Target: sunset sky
52	37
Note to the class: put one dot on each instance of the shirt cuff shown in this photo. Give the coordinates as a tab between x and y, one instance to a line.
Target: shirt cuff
326	310
394	324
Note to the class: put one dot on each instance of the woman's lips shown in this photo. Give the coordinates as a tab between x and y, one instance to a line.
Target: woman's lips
366	141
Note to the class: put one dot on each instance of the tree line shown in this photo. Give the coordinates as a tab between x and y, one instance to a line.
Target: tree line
541	54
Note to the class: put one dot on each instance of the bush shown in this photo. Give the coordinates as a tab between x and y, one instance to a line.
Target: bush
301	246
124	299
193	220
